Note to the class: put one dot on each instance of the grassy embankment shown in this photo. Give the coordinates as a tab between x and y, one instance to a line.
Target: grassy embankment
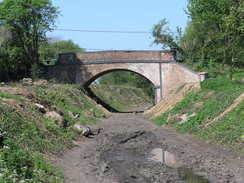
122	98
26	135
202	107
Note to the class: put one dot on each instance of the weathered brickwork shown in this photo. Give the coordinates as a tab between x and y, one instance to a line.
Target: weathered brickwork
166	76
125	55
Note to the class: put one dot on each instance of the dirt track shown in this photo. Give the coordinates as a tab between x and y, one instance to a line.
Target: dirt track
122	153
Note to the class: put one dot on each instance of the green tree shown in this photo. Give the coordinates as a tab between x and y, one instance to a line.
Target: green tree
166	38
217	28
50	50
163	35
28	21
4	35
9	57
128	78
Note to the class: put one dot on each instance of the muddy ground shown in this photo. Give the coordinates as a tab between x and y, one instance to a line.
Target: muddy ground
130	149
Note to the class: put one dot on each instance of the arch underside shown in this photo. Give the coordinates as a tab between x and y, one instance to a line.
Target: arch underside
147	71
99	100
92	79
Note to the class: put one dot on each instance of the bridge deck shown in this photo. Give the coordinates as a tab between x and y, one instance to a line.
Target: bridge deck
111	57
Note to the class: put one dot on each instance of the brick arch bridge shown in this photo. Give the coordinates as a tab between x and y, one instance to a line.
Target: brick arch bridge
159	67
105	71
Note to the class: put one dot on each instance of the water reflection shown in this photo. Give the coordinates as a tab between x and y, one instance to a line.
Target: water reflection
189	177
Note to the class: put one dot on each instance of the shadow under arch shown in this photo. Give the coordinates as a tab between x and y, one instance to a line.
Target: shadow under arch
98	100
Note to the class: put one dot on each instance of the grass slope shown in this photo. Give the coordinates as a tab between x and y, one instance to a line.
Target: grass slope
121	98
25	135
203	106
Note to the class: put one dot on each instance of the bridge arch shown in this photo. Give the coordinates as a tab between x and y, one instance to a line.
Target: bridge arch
100	74
90	92
159	67
149	71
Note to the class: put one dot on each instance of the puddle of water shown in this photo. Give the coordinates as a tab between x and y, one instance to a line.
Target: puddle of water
156	155
189	177
170	160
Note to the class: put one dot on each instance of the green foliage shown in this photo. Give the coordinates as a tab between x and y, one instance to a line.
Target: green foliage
228	130
28	132
213	106
162	35
162	119
221	83
121	98
11	66
216	95
127	78
7	95
214	34
25	133
27	22
49	50
70	99
4	35
25	166
213	38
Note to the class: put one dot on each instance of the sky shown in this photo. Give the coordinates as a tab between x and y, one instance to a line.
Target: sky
119	15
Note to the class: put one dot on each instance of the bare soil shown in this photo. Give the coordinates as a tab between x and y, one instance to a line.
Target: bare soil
121	152
168	102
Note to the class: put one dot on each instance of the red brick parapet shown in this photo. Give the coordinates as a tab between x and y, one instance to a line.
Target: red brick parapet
125	55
